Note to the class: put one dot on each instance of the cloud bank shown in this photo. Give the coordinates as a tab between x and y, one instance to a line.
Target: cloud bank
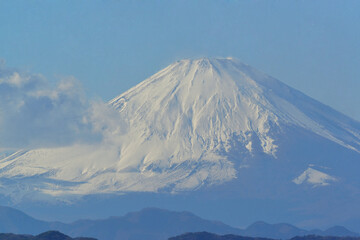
33	113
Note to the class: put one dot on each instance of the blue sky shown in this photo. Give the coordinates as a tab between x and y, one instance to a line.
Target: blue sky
111	45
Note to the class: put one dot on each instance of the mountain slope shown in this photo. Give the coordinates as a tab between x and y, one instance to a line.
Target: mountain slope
16	221
178	130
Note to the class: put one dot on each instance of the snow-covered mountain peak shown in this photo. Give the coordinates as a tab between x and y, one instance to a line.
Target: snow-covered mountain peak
206	101
194	123
227	97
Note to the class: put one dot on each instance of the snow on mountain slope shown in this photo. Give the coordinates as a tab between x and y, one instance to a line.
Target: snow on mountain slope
314	177
175	130
216	98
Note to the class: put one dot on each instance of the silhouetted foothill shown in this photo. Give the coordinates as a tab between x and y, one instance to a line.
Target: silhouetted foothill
50	235
211	236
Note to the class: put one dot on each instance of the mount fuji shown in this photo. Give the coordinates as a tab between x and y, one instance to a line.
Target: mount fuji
206	125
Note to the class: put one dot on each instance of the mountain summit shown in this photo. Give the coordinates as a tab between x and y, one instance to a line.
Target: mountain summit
200	123
214	99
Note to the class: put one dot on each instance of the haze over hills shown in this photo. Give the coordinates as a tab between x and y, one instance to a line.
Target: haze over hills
151	224
212	126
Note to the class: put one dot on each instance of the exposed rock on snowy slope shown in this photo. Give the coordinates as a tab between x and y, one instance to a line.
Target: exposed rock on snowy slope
195	123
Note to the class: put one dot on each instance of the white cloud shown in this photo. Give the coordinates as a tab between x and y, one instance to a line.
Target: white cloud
35	114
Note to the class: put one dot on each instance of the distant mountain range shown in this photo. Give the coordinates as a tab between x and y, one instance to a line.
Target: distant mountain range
150	224
211	236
